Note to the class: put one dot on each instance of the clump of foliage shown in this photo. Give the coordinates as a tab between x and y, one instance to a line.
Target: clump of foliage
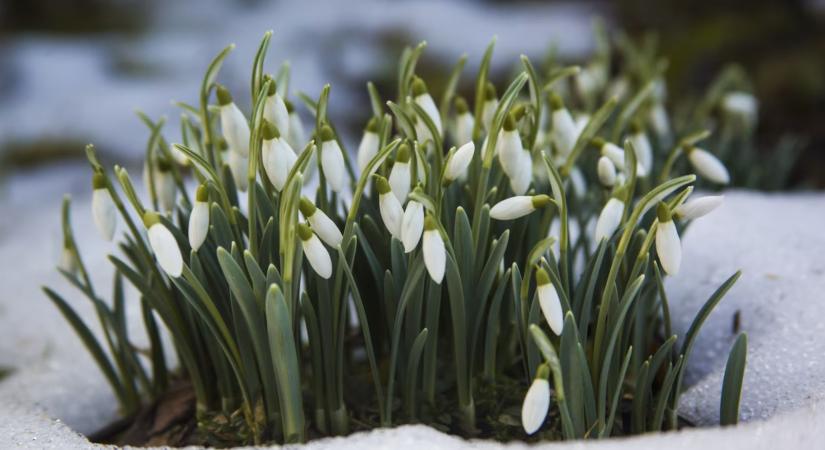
427	283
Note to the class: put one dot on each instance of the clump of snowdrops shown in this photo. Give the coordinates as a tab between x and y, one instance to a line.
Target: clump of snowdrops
484	264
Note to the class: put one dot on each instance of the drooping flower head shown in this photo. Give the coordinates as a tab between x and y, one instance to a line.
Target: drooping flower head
315	252
199	218
332	160
163	244
104	212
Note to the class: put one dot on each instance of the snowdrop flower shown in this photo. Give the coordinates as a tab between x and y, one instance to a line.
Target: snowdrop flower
657	116
518	206
509	147
464	121
296	136
400	173
578	182
389	206
412	225
68	259
199	218
668	245
332	160
435	256
368	147
234	124
708	166
423	99
488	109
549	301
537	401
459	161
615	154
163	245
275	109
564	132
606	171
238	166
642	147
741	106
315	252
699	207
323	226
103	208
609	219
590	80
520	181
277	155
165	188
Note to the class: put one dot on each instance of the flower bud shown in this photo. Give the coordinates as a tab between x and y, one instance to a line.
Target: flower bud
163	244
643	149
234	124
238	166
564	132
277	155
549	301
693	209
424	100
332	160
315	252
668	245
536	402
165	187
412	225
368	147
104	212
518	206
323	226
606	171
400	174
488	109
435	256
389	206
459	161
708	166
609	219
296	136
275	110
464	122
199	218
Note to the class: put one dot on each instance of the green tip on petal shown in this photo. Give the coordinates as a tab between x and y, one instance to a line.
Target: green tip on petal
326	134
290	108
164	165
418	87
307	207
510	122
222	144
403	155
224	97
490	91
304	232
382	185
269	131
372	125
663	212
542	277
98	181
150	218
636	127
541	200
598	142
556	102
430	223
543	372
519	111
202	194
461	105
273	89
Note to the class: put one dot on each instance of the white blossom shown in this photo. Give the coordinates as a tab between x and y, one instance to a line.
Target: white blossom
412	225
708	166
165	187
234	124
549	301
741	106
464	122
389	206
606	171
518	206
609	219
368	147
332	160
199	219
68	260
459	161
564	132
643	149
488	109
693	209
424	100
521	179
321	224
400	174
296	137
668	245
104	212
315	252
238	166
435	256
536	404
275	110
510	148
277	155
164	245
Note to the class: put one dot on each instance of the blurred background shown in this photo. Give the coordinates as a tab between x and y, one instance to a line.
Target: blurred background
74	71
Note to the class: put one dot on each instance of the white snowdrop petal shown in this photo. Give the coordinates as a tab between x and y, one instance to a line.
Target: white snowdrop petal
606	171
235	129
166	250
659	120
325	228
709	166
275	111
318	256
564	133
332	163
488	111
615	154
367	149
464	127
391	213
434	255
400	180
509	152
68	261
609	219
412	225
551	307
461	159
668	247
535	406
198	224
238	166
425	101
693	209
296	136
104	213
278	161
644	152
512	208
521	179
165	189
